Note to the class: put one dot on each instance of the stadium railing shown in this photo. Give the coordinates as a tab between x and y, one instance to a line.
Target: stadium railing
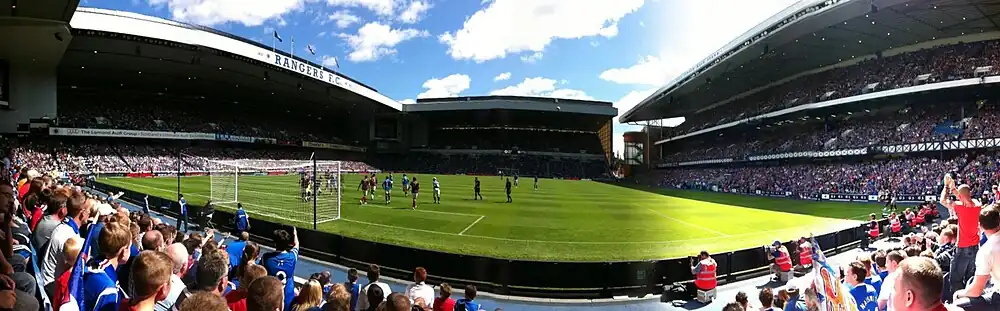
544	279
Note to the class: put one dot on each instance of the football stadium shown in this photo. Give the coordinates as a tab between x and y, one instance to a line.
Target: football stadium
832	149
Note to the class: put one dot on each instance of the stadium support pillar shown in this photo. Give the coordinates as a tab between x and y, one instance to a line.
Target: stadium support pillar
315	185
28	69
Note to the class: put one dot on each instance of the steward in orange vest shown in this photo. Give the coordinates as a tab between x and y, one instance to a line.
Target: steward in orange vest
782	261
805	254
704	272
894	225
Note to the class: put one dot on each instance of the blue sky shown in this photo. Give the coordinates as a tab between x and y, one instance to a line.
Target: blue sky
612	50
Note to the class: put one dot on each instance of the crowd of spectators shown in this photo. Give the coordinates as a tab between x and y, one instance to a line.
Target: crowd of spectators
909	175
937	64
893	125
925	264
93	254
523	164
182	116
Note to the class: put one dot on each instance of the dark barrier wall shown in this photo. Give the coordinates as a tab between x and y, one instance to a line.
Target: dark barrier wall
511	277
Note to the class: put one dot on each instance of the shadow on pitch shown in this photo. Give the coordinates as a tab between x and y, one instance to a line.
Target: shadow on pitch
826	209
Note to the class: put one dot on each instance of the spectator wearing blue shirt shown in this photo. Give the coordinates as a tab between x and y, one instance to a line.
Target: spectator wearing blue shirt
872	277
100	281
864	294
182	219
468	303
353	287
281	263
235	251
241	221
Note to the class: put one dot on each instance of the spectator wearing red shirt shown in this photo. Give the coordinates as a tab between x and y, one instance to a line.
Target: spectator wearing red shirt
444	302
966	209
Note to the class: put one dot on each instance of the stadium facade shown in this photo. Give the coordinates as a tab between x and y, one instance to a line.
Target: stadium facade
113	56
816	65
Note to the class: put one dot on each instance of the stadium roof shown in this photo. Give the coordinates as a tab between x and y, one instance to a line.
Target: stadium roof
57	10
119	44
811	35
513	103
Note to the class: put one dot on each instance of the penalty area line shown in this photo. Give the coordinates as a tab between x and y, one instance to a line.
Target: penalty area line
472	224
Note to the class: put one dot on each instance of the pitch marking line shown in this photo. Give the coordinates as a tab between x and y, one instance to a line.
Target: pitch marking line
755	233
472	224
686	223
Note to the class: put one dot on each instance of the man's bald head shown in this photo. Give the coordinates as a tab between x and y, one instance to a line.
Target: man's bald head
152	240
179	256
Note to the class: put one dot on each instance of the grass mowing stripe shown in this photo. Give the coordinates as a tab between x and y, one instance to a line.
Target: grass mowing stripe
687	223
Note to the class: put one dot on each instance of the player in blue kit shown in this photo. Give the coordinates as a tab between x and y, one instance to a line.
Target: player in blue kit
387	186
406	186
281	263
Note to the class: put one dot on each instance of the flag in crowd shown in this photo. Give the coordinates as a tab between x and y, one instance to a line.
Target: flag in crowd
831	294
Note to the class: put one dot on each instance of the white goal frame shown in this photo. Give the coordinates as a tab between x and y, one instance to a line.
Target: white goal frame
251	166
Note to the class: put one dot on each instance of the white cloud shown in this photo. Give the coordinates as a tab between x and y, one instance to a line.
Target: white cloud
490	34
380	7
650	70
329	61
541	87
449	86
415	12
214	12
502	76
321	34
408	101
531	59
343	18
375	40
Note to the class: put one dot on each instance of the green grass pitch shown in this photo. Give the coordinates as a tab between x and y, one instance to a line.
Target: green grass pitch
565	220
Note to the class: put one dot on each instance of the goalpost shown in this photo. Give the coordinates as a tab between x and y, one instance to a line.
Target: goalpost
301	191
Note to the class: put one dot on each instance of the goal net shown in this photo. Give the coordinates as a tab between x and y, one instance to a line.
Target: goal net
305	192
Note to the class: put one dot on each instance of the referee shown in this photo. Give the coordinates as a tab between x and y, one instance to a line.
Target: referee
478	196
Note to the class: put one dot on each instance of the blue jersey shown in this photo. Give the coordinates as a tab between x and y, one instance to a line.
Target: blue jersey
235	250
865	297
875	282
184	206
100	288
242	221
282	266
406	181
466	305
355	290
387	184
